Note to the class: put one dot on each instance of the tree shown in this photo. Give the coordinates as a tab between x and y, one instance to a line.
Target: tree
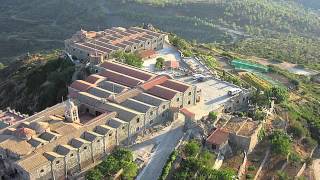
213	116
130	170
280	143
261	99
259	115
123	154
94	174
192	148
160	63
109	166
207	158
279	93
128	58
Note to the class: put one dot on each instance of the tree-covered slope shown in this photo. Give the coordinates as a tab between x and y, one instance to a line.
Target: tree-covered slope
35	25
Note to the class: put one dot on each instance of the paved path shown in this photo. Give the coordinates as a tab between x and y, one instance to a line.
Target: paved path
166	143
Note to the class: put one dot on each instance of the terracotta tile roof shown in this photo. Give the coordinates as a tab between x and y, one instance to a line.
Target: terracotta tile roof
218	137
130	71
178	86
187	113
81	85
162	92
147	53
153	82
120	78
172	64
94	79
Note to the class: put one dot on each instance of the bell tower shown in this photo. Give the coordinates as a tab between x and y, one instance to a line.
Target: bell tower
71	112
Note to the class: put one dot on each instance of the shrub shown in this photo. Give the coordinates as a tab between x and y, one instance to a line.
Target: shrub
294	158
309	142
251	168
192	148
130	170
160	63
297	130
213	116
249	176
166	169
123	154
282	175
94	174
279	93
280	143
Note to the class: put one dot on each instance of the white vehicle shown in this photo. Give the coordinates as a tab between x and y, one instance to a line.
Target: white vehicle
196	76
234	91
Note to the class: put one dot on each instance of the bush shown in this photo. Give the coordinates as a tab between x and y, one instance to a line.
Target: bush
279	93
213	116
94	174
123	154
309	142
280	143
282	175
294	158
249	176
160	63
192	148
166	169
297	130
251	168
130	170
128	58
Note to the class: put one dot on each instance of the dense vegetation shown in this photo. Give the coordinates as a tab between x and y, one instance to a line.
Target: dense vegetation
128	58
198	164
119	159
35	25
37	82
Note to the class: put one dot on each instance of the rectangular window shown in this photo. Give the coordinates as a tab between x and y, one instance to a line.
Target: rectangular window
138	120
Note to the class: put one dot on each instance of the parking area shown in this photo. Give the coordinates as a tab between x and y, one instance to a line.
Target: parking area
214	93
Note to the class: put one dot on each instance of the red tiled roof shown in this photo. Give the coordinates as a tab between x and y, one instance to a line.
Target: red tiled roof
25	133
94	78
187	113
120	78
153	82
172	64
147	53
127	70
81	85
162	92
181	87
218	137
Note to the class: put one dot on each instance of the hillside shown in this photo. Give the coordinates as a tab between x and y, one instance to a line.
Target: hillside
36	25
35	82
